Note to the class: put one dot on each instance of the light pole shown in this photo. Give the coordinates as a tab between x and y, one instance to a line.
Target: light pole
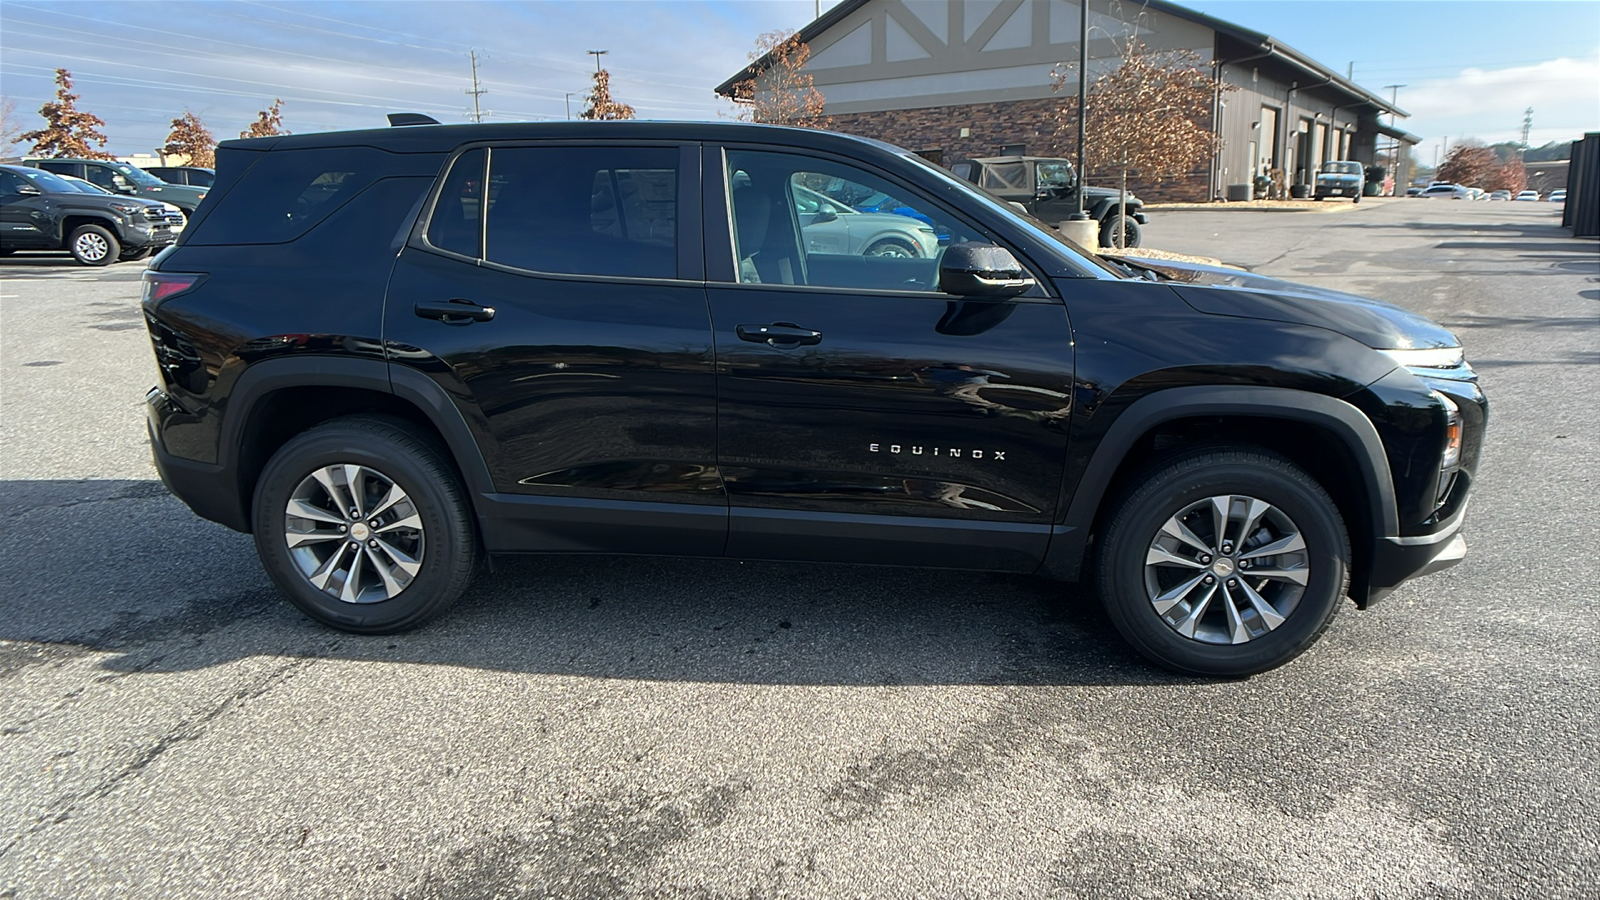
569	106
597	54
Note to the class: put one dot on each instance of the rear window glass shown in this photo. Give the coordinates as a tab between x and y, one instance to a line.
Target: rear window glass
584	210
288	192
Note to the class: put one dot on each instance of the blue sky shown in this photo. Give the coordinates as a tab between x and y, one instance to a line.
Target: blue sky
1470	68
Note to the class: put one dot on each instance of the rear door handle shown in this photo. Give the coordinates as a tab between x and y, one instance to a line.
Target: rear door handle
778	334
455	311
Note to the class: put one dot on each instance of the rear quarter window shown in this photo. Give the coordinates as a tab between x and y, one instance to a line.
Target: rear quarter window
289	192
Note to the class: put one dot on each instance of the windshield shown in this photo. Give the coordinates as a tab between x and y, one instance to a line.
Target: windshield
51	182
1341	168
1089	264
84	187
137	175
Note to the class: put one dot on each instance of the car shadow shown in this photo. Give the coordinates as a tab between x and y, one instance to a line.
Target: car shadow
122	573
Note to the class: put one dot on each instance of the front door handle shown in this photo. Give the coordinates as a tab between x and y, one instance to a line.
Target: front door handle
454	311
779	334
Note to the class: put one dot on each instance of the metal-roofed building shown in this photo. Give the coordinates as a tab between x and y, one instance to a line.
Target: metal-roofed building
973	78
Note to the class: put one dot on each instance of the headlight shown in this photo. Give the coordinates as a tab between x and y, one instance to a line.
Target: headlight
127	209
1431	358
1452	442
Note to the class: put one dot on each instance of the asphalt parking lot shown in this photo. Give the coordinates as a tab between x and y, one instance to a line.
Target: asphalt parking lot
603	728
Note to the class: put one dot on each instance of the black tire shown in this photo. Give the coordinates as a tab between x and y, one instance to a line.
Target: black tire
135	255
93	245
1132	587
1113	224
1356	198
445	545
892	247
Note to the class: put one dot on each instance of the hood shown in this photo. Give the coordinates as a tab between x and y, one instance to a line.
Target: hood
1096	194
1223	291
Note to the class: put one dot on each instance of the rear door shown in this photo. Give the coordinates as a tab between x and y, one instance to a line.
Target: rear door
555	292
863	416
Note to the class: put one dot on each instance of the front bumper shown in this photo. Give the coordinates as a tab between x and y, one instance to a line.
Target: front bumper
1396	560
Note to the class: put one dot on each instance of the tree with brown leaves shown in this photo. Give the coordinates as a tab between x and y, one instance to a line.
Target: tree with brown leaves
1468	165
191	139
1512	176
68	131
782	93
601	106
1149	118
268	123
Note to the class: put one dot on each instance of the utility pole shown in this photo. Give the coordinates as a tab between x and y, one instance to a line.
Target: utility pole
597	54
1394	149
476	91
569	106
1527	126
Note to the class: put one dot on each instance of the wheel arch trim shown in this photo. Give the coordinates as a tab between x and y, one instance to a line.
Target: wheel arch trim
1347	423
263	378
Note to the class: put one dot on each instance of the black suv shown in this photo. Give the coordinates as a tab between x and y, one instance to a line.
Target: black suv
39	211
388	353
1047	187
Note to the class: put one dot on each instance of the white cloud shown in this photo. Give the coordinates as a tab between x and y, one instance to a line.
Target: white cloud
1489	104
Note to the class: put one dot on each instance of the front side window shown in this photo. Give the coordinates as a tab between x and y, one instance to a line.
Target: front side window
609	211
806	221
1053	175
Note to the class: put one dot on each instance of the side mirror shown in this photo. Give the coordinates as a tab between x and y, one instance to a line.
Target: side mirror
982	270
121	184
826	215
29	190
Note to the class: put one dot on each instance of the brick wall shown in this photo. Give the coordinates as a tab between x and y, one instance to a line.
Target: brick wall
992	126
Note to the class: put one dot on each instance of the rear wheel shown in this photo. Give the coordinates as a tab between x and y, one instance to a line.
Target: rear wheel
364	526
93	245
1224	562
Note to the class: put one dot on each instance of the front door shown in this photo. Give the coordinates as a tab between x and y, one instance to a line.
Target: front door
555	293
863	416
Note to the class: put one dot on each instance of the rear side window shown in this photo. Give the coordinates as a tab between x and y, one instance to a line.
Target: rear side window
456	224
584	210
289	192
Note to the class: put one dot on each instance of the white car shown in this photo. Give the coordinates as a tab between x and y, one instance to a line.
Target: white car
1447	192
1500	195
1559	195
1528	195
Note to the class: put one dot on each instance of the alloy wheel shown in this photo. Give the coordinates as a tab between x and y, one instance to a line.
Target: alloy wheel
354	533
1227	569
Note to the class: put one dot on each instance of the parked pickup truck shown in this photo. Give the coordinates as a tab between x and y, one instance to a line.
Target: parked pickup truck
1047	187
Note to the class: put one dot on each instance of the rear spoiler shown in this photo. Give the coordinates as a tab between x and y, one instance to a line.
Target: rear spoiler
398	119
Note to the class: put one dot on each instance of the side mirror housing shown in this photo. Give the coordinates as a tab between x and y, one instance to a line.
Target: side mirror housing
29	190
982	271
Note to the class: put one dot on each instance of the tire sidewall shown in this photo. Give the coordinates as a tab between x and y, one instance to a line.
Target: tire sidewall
113	246
1173	488
446	537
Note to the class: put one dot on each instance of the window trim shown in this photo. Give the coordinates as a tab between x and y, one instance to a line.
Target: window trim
688	243
720	255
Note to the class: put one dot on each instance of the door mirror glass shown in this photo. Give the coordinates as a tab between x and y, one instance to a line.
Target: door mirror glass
982	270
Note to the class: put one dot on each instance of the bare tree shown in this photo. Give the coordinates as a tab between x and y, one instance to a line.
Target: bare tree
10	126
1468	165
268	123
191	139
781	93
68	131
1149	117
601	106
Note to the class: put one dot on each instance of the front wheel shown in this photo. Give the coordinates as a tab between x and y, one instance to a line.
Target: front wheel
1224	562
893	248
363	524
1119	231
93	245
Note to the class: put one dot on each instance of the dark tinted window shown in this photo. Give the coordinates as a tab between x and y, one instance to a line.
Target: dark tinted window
281	197
62	168
11	183
199	178
584	210
455	224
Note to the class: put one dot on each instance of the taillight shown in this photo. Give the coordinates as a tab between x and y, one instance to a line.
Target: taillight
158	286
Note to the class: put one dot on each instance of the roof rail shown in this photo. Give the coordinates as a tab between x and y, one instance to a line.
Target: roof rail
398	119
